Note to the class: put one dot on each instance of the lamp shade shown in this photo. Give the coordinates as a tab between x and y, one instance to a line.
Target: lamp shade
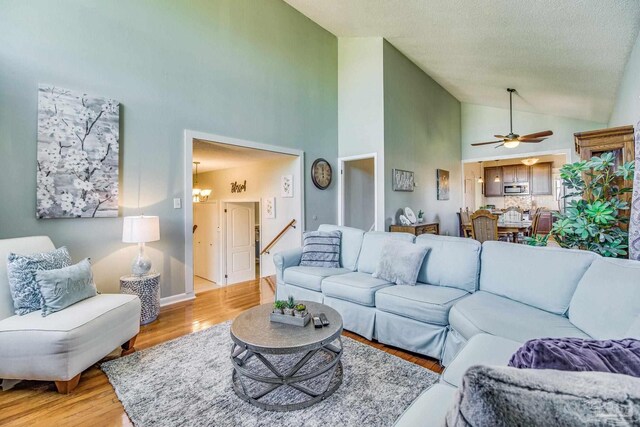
140	229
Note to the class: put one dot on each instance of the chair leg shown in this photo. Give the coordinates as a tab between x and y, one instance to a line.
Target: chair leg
128	347
66	387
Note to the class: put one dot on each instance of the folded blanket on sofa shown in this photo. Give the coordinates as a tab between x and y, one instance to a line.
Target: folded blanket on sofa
492	396
576	354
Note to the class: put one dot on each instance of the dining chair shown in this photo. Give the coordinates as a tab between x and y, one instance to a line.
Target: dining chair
464	216
534	224
484	226
512	214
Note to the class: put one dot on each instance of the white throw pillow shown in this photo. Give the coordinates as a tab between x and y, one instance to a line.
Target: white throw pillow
400	262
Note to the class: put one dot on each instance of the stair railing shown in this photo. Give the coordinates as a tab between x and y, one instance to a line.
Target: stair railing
280	234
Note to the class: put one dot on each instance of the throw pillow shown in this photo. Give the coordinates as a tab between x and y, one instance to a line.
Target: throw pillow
400	262
321	249
65	286
576	354
21	271
500	396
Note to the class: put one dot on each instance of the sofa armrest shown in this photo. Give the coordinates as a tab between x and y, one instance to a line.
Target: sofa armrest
286	259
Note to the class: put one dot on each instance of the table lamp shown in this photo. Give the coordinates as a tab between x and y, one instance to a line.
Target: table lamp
140	229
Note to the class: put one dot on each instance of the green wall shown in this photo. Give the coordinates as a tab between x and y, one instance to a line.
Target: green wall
421	134
626	110
255	70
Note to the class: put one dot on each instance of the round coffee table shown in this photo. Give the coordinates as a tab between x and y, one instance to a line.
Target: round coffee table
267	356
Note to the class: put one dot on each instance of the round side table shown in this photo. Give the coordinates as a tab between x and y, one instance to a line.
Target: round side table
147	288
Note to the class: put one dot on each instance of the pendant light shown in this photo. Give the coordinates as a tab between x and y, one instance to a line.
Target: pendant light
497	178
198	194
480	179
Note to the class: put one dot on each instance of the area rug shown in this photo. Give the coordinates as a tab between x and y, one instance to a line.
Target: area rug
187	382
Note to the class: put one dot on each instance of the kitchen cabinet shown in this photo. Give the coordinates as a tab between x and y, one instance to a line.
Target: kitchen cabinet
515	174
541	182
492	188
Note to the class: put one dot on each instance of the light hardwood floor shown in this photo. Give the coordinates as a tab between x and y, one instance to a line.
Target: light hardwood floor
94	402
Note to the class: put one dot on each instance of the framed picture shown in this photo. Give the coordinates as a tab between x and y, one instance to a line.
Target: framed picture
443	184
402	180
77	160
286	186
270	207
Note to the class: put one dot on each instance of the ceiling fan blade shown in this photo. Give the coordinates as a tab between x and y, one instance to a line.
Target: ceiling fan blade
486	143
532	139
536	135
498	146
500	136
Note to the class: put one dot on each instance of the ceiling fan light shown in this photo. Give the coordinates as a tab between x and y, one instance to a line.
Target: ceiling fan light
530	161
511	143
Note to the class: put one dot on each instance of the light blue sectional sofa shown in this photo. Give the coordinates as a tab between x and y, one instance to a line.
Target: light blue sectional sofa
473	304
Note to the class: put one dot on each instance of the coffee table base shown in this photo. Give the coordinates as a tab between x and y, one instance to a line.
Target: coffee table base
333	368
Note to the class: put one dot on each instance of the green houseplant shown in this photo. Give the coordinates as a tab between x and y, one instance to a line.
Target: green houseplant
594	213
278	306
291	304
301	310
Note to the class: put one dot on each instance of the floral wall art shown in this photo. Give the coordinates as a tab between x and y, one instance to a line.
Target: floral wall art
78	144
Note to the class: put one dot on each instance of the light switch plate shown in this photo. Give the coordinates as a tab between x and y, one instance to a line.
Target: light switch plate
177	203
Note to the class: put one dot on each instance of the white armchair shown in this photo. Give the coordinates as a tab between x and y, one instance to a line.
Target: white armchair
62	345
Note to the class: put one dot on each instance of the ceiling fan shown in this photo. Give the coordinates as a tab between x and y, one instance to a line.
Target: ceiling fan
512	140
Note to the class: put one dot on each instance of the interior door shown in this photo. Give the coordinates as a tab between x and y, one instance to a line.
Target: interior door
205	251
198	262
240	242
470	193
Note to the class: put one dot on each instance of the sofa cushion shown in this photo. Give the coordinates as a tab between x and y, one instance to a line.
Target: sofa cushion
310	277
321	249
350	244
66	286
426	303
543	277
451	261
430	408
400	262
21	271
606	302
499	396
496	315
372	245
61	345
482	349
356	287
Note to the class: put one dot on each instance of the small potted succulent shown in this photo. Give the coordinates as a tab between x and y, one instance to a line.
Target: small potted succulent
300	310
278	306
288	309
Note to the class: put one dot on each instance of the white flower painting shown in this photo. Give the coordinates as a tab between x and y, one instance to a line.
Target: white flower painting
78	144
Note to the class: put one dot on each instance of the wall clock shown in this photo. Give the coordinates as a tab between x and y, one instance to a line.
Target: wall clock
321	174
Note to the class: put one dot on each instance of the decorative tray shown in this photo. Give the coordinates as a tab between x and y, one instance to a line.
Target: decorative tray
290	320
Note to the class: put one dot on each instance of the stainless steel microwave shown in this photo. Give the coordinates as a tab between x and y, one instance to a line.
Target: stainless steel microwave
516	189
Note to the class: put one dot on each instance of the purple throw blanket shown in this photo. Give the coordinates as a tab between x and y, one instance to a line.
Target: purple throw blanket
575	354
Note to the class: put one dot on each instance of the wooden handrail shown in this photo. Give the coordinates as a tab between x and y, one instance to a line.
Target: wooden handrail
280	234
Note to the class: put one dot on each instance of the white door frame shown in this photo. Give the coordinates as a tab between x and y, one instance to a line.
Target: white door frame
341	162
223	234
189	137
565	151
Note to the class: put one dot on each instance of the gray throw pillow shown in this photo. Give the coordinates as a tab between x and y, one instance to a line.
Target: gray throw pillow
499	396
400	262
65	286
321	249
21	272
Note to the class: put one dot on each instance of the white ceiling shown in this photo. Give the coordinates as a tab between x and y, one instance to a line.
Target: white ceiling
215	156
565	57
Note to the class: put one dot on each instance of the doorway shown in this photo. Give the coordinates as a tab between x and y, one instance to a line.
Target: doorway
358	192
228	224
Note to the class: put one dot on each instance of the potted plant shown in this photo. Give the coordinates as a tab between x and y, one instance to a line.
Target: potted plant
278	306
290	306
420	215
593	217
300	310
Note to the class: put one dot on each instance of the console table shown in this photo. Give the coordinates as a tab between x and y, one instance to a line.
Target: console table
417	229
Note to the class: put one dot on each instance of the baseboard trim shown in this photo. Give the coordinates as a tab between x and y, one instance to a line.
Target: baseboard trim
174	299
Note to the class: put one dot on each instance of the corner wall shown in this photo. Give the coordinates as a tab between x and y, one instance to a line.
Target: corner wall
254	70
626	110
421	134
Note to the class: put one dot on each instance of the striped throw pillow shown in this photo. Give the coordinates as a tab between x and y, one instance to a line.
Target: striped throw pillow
321	249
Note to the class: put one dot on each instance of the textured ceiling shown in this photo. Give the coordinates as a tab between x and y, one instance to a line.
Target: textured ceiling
215	156
565	57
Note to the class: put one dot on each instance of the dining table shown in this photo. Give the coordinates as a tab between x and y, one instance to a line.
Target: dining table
508	228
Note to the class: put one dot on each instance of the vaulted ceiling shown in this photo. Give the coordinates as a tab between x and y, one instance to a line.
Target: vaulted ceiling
565	57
